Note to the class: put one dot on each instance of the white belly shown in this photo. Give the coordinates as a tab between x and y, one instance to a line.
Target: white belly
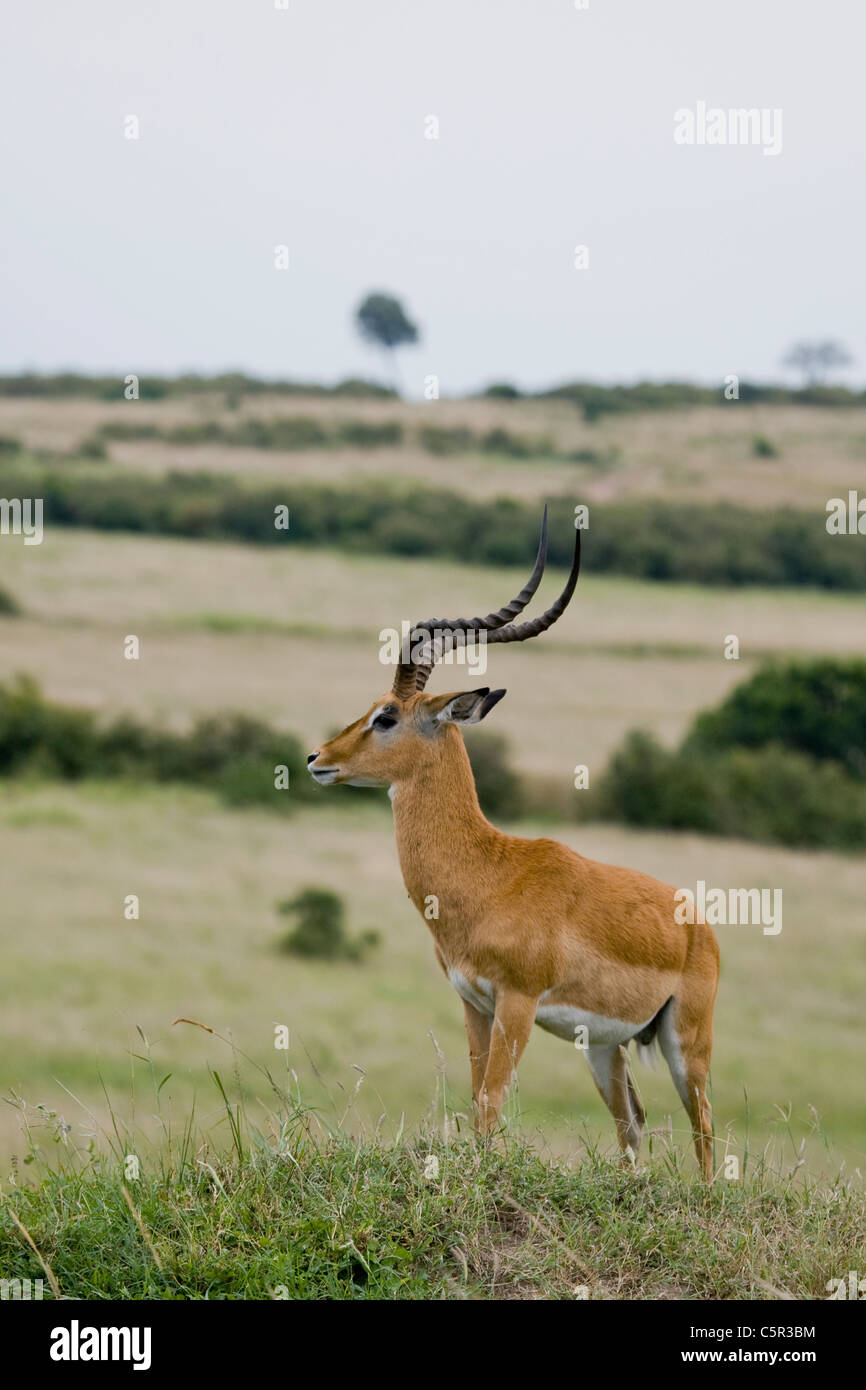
566	1021
563	1020
479	993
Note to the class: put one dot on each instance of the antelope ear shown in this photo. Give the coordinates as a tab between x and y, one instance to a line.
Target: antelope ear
468	708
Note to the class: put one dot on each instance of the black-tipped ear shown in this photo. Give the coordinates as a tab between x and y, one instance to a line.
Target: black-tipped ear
489	701
468	708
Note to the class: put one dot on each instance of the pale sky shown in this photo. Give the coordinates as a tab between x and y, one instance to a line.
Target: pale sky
306	127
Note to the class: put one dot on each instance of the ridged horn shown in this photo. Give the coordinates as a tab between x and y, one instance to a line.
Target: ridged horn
412	677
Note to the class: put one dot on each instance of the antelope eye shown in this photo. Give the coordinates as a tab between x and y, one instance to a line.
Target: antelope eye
384	721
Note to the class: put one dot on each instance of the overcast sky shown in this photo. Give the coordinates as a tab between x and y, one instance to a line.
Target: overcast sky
305	126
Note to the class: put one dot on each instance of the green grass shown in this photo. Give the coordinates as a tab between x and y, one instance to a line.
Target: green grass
313	1209
79	977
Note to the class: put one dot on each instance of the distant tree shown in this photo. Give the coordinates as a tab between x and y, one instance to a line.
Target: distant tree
816	358
502	391
382	320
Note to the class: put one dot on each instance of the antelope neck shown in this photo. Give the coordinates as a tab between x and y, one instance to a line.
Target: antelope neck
444	841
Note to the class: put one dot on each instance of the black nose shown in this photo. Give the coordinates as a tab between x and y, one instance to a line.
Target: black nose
311	758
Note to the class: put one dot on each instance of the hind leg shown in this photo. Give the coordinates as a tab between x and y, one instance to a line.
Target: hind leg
636	1104
609	1067
478	1037
686	1046
701	1115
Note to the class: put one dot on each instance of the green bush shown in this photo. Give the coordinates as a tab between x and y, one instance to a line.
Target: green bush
306	432
502	391
250	782
280	432
320	928
93	447
783	759
49	739
9	445
73	384
195	432
595	400
647	785
499	441
698	543
774	794
816	707
769	794
362	390
597	458
371	435
517	446
644	395
286	432
764	448
231	753
440	439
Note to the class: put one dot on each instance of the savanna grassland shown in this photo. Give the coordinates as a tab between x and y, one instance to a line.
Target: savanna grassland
79	977
698	454
291	635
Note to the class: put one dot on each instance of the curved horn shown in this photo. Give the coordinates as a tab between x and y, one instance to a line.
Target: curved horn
406	679
502	615
519	632
413	676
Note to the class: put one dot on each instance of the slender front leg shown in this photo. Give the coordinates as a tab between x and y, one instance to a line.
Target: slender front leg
512	1024
478	1035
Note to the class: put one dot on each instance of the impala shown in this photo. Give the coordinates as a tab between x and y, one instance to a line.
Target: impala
527	931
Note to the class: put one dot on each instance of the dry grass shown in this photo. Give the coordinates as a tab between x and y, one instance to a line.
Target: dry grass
554	717
700	454
292	636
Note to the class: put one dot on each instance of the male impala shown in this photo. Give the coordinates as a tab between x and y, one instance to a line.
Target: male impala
528	931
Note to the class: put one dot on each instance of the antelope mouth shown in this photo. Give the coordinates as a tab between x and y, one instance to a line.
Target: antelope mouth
323	775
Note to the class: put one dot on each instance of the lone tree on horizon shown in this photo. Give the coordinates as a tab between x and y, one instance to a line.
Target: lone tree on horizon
381	319
816	358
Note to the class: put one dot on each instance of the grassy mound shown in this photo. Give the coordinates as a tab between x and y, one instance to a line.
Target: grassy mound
319	1214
